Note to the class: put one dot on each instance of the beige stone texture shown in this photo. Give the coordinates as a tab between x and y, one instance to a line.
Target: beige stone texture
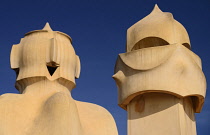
46	67
161	114
156	29
160	80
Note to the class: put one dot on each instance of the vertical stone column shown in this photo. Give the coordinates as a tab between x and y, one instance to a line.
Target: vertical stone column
160	114
160	80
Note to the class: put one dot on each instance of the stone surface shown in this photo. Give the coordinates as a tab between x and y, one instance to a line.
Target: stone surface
160	80
46	66
161	114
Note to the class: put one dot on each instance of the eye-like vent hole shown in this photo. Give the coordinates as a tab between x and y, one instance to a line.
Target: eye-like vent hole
186	45
52	66
16	71
149	42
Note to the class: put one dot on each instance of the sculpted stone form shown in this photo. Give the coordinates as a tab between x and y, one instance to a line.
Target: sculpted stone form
160	80
46	67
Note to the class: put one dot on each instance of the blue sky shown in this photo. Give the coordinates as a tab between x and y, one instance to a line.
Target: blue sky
98	29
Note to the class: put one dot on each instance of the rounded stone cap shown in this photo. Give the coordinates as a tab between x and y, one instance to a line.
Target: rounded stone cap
47	28
156	29
45	54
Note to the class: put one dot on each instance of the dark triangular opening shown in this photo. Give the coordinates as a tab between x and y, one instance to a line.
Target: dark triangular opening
51	70
52	66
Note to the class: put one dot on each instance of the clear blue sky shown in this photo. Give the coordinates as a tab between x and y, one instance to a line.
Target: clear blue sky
98	29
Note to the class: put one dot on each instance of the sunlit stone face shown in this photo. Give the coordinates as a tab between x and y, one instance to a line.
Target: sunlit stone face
158	59
46	53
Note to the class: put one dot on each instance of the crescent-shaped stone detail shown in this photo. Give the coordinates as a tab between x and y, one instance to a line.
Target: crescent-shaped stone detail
147	58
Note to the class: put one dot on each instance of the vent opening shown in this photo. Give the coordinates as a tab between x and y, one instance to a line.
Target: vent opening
52	66
186	45
149	42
